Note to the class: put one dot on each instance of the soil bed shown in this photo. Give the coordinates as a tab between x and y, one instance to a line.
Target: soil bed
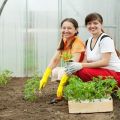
14	107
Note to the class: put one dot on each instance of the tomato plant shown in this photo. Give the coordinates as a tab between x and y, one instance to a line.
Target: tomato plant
96	89
5	76
31	88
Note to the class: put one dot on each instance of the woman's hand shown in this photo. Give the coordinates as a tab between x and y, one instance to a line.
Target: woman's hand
73	67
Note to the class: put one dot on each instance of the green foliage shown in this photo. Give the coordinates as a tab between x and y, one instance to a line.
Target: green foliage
96	89
31	88
5	76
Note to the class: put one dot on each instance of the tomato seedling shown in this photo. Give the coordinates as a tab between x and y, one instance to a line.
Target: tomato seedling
5	77
31	88
95	89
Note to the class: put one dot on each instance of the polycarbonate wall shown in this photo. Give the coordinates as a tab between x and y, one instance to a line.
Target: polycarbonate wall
12	36
42	34
29	35
29	30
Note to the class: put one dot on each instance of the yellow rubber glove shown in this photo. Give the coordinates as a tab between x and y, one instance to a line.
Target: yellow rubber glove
63	81
45	77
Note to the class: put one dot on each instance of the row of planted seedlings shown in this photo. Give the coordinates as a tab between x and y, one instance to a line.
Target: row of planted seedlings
76	89
30	88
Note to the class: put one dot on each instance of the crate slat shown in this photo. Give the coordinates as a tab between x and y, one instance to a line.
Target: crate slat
102	105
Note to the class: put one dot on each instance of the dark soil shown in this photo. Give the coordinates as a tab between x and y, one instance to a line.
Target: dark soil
14	107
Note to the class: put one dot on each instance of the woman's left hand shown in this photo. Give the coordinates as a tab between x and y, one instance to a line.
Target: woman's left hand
73	67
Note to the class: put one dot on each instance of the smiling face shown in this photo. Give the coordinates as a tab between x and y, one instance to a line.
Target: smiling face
94	22
94	27
68	30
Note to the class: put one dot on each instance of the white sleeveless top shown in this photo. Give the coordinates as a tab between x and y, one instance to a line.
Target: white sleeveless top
103	46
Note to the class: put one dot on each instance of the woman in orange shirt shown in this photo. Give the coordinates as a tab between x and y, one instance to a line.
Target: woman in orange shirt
70	43
72	46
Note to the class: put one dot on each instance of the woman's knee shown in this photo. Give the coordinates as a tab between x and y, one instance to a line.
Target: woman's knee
85	74
84	71
61	73
57	73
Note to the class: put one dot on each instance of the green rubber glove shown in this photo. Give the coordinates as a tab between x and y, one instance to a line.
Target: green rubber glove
63	81
45	77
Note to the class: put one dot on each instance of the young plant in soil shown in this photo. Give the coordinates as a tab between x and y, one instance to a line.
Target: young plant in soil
31	88
5	77
97	89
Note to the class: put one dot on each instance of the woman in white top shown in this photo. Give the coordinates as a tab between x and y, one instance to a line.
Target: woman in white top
101	58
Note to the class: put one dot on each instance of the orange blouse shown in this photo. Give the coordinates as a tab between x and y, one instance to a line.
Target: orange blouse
77	46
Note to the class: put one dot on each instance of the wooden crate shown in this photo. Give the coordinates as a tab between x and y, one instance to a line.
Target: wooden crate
98	105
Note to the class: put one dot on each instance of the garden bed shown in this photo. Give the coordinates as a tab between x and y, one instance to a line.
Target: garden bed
14	107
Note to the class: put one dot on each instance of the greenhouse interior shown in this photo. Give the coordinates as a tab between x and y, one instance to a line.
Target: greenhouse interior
29	30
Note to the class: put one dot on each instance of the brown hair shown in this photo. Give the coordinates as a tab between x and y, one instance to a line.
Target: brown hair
75	24
93	16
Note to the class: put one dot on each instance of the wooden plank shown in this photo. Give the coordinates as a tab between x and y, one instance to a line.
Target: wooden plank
103	105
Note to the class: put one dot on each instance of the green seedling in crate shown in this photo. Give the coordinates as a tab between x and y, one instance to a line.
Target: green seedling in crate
96	89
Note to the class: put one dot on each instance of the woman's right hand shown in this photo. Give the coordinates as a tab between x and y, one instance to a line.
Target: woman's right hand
45	77
43	82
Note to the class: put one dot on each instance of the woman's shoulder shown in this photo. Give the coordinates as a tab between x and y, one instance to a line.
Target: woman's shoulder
78	41
105	38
